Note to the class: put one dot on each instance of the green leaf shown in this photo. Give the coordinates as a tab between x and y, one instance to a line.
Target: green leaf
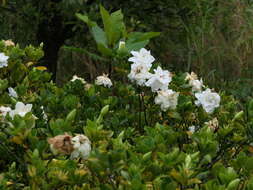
140	36
113	24
71	116
136	45
104	50
249	164
138	40
99	35
3	84
103	112
85	19
233	184
250	109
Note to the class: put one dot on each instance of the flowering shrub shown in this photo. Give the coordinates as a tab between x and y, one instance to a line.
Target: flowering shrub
159	130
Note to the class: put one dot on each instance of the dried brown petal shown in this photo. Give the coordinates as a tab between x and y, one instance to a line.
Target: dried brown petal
61	143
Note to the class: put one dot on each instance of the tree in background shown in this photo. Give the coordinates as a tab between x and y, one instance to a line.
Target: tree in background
51	22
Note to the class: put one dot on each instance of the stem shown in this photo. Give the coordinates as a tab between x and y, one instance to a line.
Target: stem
139	112
144	108
110	70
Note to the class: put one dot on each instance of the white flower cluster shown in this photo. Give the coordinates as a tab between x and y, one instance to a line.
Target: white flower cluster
142	62
75	77
82	147
158	81
208	99
104	81
3	60
20	109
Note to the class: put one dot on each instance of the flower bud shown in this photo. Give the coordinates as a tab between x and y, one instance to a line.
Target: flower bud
122	45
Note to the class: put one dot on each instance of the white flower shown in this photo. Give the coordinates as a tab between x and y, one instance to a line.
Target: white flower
192	129
139	73
12	92
103	80
142	57
167	99
209	100
160	80
4	110
194	82
196	85
21	109
78	78
3	60
191	76
82	147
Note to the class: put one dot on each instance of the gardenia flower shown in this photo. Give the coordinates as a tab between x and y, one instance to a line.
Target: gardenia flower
196	85
167	99
142	57
3	60
192	129
12	92
139	73
78	78
20	109
194	82
103	80
82	147
4	110
191	76
9	43
160	80
61	144
209	100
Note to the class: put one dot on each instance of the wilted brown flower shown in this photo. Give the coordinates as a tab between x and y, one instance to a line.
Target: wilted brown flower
9	43
61	144
213	124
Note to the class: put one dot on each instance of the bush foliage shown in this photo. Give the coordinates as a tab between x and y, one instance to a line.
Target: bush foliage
134	144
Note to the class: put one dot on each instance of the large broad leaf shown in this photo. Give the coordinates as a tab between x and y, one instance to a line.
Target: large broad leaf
85	19
96	31
113	24
134	46
138	40
99	35
104	50
140	36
